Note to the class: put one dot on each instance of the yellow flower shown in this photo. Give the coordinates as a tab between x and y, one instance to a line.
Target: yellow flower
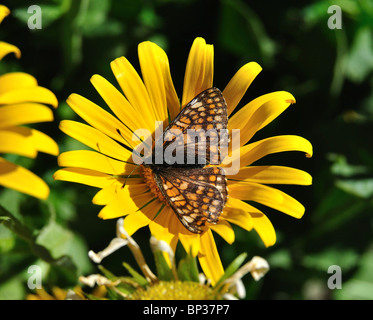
125	192
22	103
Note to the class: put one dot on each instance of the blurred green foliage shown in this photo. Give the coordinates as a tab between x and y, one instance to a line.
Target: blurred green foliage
329	71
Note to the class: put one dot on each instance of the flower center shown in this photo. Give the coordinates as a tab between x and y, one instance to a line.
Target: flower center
174	290
148	176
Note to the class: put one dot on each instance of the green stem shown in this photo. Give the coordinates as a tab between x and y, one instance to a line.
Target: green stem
16	226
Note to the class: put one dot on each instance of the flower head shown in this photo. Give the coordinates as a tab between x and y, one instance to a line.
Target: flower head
126	189
22	103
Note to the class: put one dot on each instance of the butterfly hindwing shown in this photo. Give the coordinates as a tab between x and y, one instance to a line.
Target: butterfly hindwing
197	195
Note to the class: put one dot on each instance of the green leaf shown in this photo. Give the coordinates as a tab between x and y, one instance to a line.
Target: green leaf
55	238
49	13
343	257
360	59
11	200
355	290
361	284
359	187
317	12
93	21
77	250
13	289
342	168
280	259
63	203
242	32
7	239
12	223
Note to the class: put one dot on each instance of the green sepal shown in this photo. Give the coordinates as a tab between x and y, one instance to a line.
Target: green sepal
232	268
187	269
164	272
137	277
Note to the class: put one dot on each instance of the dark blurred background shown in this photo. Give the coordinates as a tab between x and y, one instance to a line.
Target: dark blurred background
329	71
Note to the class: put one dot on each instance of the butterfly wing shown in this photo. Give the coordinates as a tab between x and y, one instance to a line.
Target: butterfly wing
198	133
197	195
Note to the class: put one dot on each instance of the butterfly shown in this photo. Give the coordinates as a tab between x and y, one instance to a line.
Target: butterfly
196	191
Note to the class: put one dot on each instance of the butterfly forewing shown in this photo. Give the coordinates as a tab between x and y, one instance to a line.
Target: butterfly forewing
198	134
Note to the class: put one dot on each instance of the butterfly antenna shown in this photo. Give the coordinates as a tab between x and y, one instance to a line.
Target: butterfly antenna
133	150
125	181
120	133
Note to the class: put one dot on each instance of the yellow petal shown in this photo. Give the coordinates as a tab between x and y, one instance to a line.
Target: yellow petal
21	179
134	90
129	199
100	119
240	119
257	150
268	196
199	70
27	142
239	204
273	175
84	176
14	143
159	227
190	242
168	219
6	48
224	229
107	194
209	258
95	139
142	218
248	217
33	94
173	103
263	115
41	141
15	80
208	78
239	217
24	113
117	103
237	86
265	230
4	11
95	161
238	212
149	56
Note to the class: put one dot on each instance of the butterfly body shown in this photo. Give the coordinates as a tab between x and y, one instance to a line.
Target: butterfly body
188	177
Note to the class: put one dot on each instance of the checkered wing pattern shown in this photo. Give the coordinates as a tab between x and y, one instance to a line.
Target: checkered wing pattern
196	195
200	130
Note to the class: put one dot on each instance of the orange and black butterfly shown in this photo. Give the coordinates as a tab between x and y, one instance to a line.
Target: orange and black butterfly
195	187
